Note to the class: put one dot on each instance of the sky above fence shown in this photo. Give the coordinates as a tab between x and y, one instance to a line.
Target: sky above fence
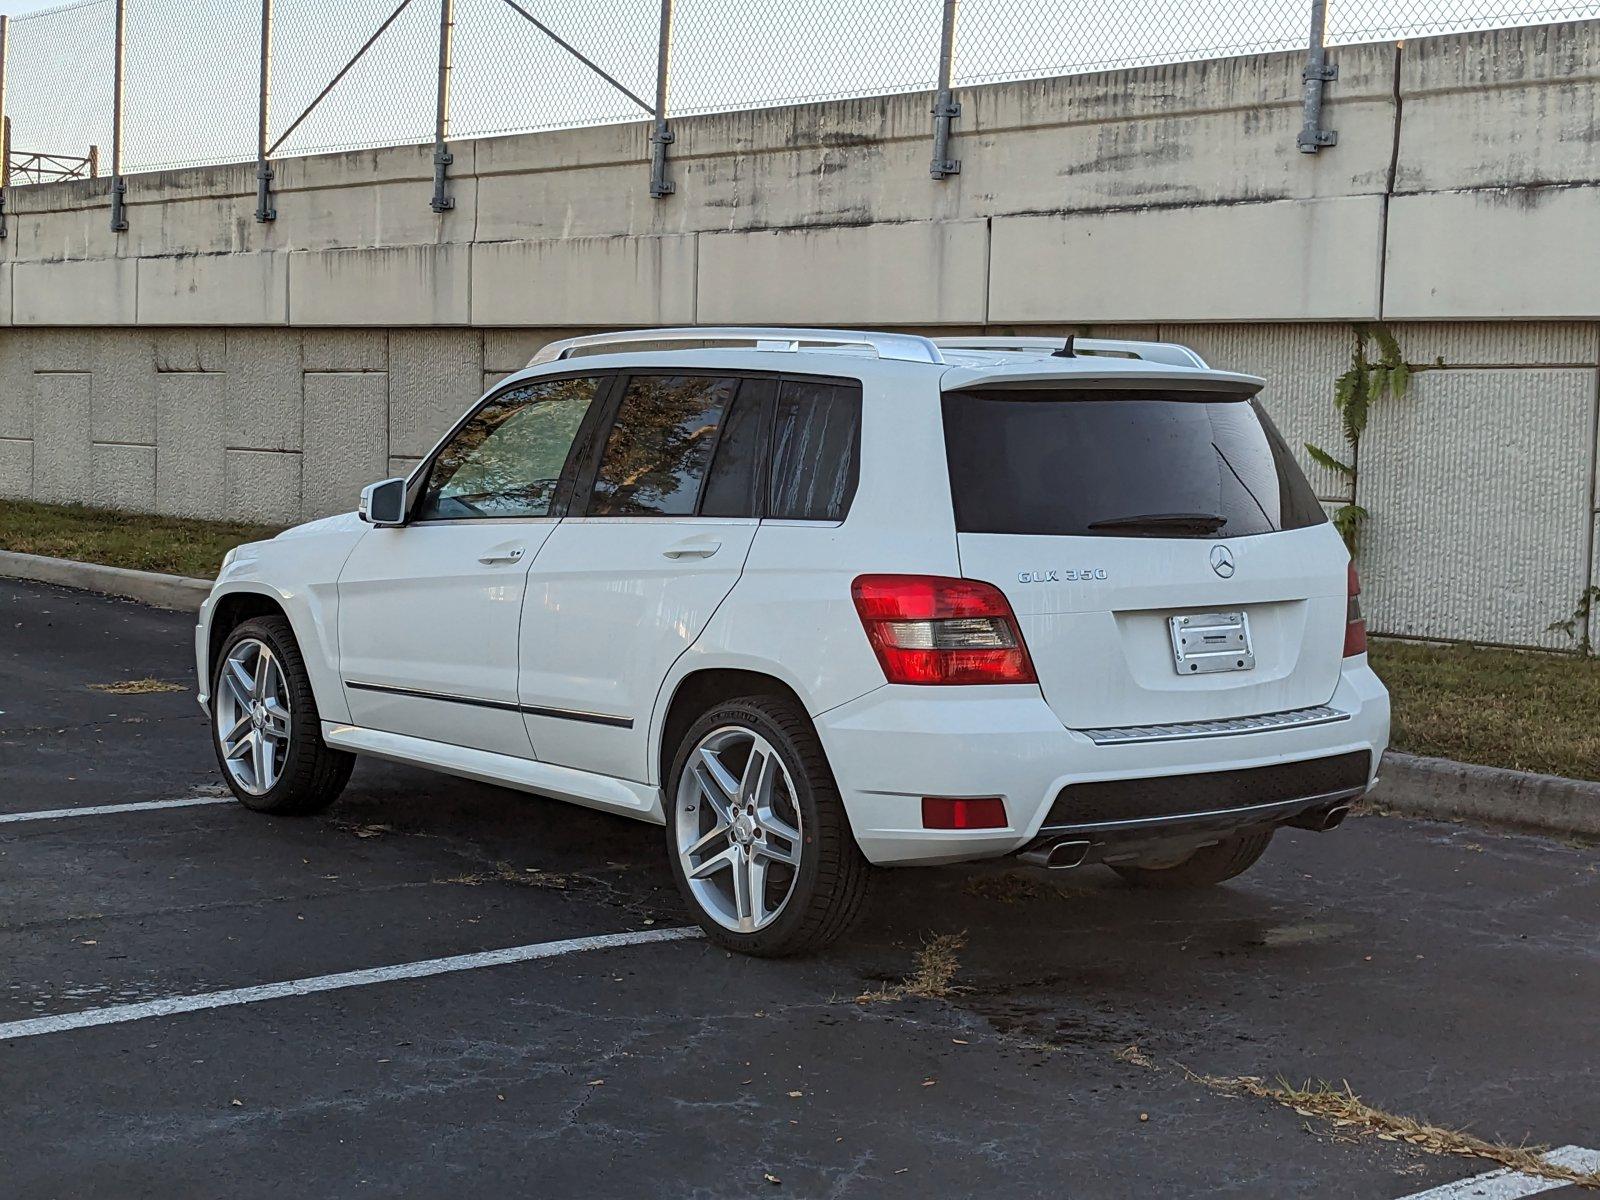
192	65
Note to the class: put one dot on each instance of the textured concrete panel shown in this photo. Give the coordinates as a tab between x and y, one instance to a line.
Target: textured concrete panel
17	353
16	468
124	477
263	486
1300	364
923	273
1501	343
507	350
191	350
1520	263
263	389
89	292
190	414
61	349
5	294
581	281
214	289
400	468
345	350
407	285
1279	261
62	461
1478	488
434	377
124	393
346	444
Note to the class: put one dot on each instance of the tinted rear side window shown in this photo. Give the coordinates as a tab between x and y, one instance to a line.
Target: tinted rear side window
1121	464
660	445
816	450
736	471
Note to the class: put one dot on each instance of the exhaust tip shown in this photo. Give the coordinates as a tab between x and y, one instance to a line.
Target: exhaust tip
1063	856
1334	817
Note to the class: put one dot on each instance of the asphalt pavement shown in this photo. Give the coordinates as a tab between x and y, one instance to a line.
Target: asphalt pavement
197	1000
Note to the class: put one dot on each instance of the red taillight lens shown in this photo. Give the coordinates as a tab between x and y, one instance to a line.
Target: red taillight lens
963	812
930	630
1355	626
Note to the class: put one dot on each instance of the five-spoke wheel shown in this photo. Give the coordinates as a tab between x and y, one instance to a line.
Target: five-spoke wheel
252	714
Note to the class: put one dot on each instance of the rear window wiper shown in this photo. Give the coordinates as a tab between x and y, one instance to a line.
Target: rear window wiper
1198	522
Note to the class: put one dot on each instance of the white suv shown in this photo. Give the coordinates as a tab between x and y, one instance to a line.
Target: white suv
818	599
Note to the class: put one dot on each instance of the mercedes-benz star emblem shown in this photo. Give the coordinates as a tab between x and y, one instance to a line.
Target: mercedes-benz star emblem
1222	561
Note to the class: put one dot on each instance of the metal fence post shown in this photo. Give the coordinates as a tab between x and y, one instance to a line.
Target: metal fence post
264	210
442	158
119	186
1318	73
945	108
661	135
5	127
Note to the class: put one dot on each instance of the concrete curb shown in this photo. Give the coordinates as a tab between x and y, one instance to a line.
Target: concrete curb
149	587
1440	787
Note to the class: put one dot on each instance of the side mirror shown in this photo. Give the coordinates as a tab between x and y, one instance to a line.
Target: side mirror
384	504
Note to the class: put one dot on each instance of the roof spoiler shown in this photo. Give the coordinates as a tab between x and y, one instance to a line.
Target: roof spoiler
1169	353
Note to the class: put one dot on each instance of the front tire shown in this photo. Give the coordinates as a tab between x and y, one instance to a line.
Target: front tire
265	727
757	836
1206	867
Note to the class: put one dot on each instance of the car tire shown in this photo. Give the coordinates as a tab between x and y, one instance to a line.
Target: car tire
302	773
1206	867
827	887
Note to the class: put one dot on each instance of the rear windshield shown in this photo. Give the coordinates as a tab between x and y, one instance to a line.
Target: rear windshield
1121	463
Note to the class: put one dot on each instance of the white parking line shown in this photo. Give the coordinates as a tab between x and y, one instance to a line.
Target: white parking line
102	810
172	1005
1507	1184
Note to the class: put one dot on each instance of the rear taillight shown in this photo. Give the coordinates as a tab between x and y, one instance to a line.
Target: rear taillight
963	812
930	630
1355	627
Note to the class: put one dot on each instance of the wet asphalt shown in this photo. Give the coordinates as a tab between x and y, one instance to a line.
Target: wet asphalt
1444	972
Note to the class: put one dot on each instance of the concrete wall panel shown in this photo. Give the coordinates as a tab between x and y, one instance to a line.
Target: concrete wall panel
123	477
18	353
584	281
5	294
263	486
1478	489
1503	343
1276	261
97	291
16	468
263	389
190	417
408	285
508	350
123	362
924	273
345	350
346	444
61	424
434	377
214	289
191	350
1520	263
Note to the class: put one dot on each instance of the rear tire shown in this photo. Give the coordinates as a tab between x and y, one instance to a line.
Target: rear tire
802	907
1206	867
305	775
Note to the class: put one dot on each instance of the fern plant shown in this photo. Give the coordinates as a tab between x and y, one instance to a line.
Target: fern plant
1363	384
1577	625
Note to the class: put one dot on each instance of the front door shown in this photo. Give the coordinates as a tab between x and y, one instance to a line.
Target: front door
630	580
429	612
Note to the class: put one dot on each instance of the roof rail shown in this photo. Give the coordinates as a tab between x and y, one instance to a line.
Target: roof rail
901	347
1169	353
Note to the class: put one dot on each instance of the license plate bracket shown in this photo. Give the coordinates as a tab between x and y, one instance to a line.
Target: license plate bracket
1206	643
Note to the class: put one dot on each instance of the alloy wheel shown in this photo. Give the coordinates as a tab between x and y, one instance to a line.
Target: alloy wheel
738	829
252	716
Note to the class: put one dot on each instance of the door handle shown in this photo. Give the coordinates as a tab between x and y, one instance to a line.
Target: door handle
502	556
696	549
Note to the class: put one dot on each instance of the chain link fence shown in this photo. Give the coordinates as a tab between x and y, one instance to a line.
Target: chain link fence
218	81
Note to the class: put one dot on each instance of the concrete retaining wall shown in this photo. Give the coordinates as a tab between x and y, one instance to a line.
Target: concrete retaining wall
201	363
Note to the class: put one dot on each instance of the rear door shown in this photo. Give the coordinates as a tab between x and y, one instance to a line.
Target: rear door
1164	554
657	539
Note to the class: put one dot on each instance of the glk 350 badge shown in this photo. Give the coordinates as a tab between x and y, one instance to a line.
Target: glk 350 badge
1081	575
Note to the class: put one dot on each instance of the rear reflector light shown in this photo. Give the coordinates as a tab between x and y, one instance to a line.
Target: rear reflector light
930	630
958	812
1355	627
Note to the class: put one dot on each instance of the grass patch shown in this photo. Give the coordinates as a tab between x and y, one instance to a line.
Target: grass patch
1500	708
137	687
932	977
1349	1115
173	545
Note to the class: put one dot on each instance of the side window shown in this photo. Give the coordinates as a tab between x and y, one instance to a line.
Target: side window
506	461
733	486
816	450
660	445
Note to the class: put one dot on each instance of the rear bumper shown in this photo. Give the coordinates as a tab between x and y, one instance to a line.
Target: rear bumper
895	745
